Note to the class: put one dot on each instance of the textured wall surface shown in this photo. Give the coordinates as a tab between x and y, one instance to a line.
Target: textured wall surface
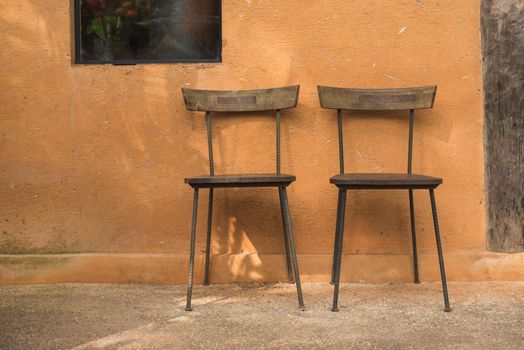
503	51
93	158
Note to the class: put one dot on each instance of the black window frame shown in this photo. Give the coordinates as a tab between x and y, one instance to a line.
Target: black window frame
78	46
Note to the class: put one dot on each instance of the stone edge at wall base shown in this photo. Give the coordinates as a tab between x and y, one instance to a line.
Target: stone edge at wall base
227	268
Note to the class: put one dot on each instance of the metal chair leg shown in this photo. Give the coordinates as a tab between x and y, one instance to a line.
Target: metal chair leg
413	235
340	238
192	252
289	232
439	249
208	239
286	241
335	245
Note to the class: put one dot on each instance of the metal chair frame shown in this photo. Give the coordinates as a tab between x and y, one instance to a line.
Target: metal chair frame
242	101
372	100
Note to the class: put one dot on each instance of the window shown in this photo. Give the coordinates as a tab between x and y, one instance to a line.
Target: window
147	31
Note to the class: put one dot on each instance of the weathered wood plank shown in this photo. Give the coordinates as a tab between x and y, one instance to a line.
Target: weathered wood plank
241	180
377	99
385	180
503	52
241	100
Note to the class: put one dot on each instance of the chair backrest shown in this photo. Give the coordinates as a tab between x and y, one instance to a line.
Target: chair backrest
209	101
376	100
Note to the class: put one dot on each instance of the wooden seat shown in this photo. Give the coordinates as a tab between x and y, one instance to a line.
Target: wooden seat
224	103
348	99
240	180
385	181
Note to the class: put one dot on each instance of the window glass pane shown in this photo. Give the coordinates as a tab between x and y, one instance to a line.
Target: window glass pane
148	30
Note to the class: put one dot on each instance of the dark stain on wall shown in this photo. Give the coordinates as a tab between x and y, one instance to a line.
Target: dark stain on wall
503	55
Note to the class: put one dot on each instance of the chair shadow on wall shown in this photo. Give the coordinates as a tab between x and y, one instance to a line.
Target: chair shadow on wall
249	234
247	225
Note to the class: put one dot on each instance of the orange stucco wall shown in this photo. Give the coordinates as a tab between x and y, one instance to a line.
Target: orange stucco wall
93	158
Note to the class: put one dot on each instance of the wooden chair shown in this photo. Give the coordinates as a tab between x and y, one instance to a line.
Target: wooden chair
373	100
242	101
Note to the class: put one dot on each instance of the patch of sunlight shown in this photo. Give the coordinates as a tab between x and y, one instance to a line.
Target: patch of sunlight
121	338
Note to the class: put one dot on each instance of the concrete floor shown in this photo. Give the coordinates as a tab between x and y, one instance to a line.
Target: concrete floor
262	316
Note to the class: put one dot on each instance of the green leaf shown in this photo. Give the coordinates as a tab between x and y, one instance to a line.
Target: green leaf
97	26
118	23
